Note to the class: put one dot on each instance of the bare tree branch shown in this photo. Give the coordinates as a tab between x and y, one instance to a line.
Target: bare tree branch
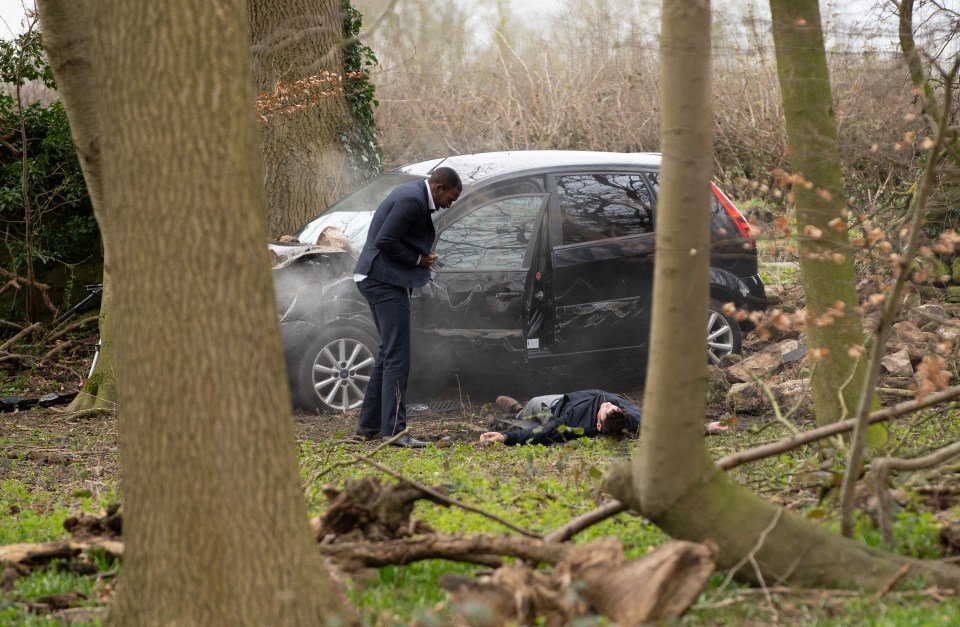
443	498
918	205
796	441
585	521
16	338
880	469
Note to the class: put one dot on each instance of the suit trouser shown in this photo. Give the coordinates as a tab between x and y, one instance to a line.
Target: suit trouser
384	405
540	408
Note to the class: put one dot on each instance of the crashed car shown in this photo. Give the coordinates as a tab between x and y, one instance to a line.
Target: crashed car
545	265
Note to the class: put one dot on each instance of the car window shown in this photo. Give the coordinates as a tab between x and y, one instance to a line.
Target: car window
492	237
601	206
722	226
511	187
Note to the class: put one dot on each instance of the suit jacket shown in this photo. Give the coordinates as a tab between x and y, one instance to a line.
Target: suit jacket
577	412
401	231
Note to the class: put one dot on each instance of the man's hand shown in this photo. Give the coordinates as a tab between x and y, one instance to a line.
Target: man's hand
716	427
492	436
426	261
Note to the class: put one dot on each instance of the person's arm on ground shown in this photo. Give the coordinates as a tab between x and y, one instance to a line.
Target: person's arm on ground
716	427
547	433
491	436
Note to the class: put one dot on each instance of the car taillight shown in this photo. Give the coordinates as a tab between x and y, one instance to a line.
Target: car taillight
742	225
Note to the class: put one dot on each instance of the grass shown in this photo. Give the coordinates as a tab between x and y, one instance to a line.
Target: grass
37	515
535	487
539	488
780	273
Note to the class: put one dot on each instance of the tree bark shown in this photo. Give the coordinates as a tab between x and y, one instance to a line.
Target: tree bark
685	494
67	38
680	285
206	443
826	266
306	166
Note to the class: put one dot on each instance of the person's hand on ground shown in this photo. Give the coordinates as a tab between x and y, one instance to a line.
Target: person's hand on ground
492	436
716	427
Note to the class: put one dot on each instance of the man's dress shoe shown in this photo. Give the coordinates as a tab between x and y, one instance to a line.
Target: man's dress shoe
406	442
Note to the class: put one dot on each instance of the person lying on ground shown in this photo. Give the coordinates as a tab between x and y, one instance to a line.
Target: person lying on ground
556	418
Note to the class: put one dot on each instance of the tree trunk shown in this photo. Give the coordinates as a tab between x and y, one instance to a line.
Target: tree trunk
306	167
215	523
67	38
685	494
100	389
680	285
826	266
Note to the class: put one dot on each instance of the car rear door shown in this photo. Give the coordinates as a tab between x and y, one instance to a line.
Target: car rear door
600	274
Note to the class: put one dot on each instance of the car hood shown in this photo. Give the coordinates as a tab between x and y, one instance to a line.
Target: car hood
289	250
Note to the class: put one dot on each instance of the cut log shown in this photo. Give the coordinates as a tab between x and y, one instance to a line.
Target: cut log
591	579
659	586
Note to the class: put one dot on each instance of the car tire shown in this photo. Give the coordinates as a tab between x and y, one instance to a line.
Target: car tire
723	334
335	369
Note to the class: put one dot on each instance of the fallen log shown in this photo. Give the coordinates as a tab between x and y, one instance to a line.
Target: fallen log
591	579
19	560
473	548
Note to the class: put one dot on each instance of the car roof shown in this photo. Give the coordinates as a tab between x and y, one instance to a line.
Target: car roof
480	166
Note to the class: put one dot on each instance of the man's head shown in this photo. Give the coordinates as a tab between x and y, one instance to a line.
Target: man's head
445	187
612	421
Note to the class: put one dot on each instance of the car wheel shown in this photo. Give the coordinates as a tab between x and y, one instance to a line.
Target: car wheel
723	334
335	369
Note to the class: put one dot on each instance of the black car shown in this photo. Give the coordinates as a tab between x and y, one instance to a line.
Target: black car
545	267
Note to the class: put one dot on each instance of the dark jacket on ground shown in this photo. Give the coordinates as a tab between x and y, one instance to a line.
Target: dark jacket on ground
577	412
400	232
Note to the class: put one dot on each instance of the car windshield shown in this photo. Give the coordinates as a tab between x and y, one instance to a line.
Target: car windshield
353	214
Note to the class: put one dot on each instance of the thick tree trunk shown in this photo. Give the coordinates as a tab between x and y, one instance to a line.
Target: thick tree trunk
67	39
768	545
306	167
672	480
826	265
676	381
215	523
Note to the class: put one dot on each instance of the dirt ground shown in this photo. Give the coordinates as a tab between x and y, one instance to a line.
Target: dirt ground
443	419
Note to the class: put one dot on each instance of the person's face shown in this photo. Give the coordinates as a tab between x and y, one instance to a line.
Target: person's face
605	408
444	197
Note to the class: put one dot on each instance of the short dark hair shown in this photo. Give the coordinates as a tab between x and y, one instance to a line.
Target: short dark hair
447	177
616	423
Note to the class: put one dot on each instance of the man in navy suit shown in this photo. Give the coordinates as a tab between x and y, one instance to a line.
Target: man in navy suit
395	259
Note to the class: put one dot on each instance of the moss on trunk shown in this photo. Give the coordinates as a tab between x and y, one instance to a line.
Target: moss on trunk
817	186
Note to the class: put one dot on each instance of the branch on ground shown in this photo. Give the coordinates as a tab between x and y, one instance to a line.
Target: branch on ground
814	435
880	469
592	579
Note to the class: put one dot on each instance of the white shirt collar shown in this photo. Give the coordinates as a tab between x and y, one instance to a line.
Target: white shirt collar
430	205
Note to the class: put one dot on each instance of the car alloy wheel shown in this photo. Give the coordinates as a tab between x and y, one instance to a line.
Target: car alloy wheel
336	372
723	334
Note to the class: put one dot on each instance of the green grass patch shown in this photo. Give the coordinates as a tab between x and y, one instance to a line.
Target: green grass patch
537	488
780	273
